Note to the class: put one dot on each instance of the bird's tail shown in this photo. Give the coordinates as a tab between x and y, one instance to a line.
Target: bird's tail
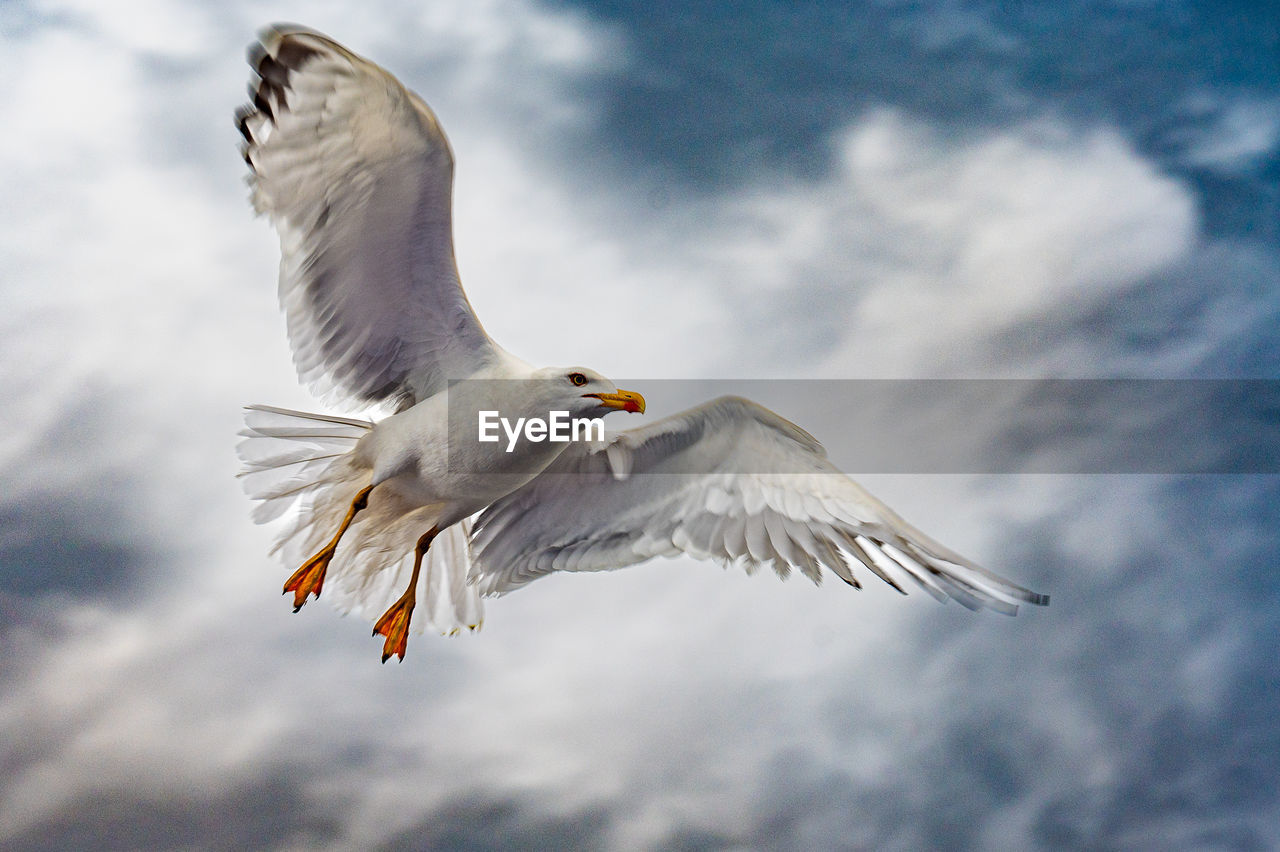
297	457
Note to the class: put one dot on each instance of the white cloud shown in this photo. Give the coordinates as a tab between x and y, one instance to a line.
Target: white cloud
1237	133
671	687
947	241
150	26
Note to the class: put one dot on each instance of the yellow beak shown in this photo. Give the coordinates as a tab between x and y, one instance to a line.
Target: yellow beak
625	400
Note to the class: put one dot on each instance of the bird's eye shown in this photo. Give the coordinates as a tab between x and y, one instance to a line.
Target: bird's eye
578	379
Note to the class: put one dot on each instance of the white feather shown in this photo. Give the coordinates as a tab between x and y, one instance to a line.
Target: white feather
357	177
290	455
769	493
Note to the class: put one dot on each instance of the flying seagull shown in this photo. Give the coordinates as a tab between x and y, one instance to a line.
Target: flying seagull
356	175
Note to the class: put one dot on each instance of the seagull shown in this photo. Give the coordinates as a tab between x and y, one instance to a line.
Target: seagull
355	174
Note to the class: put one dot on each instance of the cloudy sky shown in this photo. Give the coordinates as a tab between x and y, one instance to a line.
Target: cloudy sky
812	191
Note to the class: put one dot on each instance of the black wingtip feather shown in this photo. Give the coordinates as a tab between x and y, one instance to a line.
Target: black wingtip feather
255	54
261	103
242	116
293	54
273	67
271	70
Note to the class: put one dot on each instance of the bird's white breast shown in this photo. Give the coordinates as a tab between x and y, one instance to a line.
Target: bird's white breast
431	453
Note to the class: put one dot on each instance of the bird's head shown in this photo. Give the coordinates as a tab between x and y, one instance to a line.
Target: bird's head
585	393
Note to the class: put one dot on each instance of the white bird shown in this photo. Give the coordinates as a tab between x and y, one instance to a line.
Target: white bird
356	175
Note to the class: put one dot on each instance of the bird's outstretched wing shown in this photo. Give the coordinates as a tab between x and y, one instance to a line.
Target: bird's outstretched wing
728	480
357	177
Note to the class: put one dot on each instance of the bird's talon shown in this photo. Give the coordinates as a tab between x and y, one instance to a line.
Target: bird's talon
394	625
309	579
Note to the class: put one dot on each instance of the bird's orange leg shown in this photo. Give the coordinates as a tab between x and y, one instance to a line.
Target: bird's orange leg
308	579
394	623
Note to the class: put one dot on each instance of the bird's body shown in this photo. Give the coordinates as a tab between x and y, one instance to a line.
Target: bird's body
356	175
426	456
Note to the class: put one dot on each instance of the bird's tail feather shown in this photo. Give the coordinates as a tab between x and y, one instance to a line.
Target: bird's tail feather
295	457
290	455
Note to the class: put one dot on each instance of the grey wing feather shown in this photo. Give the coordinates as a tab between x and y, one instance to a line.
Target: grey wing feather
356	175
730	481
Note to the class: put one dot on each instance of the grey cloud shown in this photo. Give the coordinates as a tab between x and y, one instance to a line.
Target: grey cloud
68	525
64	544
264	813
482	820
1212	314
702	62
1187	762
1092	728
958	65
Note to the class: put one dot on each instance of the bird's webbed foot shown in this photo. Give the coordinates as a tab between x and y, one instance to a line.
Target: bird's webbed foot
394	625
309	579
